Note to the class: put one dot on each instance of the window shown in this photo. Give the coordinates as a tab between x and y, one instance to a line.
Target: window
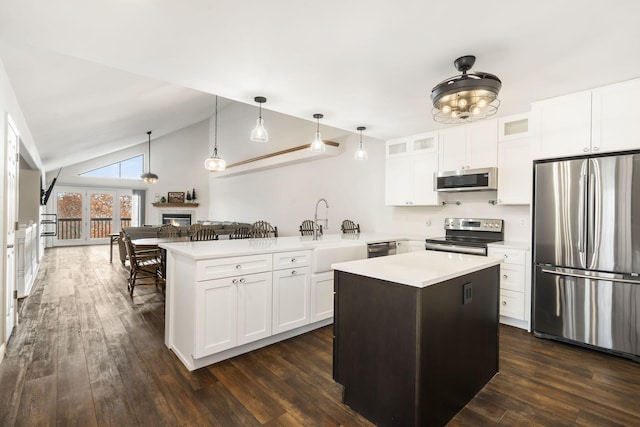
126	169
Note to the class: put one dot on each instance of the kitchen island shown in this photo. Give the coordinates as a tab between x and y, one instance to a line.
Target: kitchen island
415	335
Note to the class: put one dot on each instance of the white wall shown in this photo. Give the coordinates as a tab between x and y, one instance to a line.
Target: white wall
176	158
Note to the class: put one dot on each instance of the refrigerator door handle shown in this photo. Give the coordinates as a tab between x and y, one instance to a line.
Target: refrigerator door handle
582	217
595	209
592	277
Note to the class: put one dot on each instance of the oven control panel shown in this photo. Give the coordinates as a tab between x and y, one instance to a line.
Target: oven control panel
474	224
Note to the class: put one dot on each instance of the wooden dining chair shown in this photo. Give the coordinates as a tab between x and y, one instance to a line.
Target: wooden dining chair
262	229
204	233
241	233
193	229
306	228
145	266
350	227
168	230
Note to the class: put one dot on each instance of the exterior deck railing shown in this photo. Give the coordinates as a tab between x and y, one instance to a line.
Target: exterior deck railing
71	228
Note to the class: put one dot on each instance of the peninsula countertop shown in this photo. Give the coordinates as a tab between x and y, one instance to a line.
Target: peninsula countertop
418	269
240	247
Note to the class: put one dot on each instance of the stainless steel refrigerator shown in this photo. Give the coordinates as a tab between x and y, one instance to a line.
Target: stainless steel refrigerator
586	235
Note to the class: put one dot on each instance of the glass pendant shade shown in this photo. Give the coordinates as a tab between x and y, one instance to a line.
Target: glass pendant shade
361	153
149	177
259	133
215	163
317	146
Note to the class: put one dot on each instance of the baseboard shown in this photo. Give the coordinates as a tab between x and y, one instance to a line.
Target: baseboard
517	323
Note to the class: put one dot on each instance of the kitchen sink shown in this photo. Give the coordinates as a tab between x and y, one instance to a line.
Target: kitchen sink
327	252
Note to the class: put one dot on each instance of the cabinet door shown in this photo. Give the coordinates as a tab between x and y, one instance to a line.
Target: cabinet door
424	167
562	126
291	298
513	127
254	307
515	169
452	148
216	313
616	117
321	296
399	181
397	147
482	144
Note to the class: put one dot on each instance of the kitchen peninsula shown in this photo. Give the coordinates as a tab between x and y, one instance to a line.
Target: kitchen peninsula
228	297
415	335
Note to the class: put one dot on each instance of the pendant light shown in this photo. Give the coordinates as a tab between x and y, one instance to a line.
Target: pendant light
149	177
361	154
215	163
317	146
259	133
466	97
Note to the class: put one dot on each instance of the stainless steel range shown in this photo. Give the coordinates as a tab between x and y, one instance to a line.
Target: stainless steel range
467	235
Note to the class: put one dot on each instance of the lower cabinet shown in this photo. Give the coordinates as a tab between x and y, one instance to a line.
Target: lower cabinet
232	311
515	284
291	298
321	296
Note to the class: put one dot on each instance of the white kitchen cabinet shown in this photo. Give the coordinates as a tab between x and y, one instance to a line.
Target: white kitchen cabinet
291	298
615	124
255	293
601	120
402	247
216	316
515	169
514	127
232	311
468	146
515	284
321	296
410	167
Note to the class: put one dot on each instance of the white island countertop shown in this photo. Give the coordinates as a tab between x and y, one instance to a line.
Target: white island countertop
241	247
419	269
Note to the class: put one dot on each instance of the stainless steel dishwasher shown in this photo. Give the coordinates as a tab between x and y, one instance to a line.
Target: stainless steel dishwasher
381	249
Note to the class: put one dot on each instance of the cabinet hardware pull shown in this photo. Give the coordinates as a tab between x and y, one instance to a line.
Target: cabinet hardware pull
504	303
234	281
293	273
505	276
238	267
293	260
242	280
506	256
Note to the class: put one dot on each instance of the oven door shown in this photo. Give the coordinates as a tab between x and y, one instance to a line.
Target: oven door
456	248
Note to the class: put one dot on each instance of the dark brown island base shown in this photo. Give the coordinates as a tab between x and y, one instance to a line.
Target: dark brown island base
415	353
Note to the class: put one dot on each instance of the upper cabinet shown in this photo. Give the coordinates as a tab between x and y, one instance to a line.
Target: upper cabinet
469	146
601	120
410	167
515	165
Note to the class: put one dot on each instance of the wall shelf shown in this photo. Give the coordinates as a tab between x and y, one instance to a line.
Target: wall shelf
176	205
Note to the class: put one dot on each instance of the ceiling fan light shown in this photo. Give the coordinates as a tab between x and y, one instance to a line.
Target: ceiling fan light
454	99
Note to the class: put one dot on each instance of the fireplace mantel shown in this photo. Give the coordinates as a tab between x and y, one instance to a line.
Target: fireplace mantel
176	205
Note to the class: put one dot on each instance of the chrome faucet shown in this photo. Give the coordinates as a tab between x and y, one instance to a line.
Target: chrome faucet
315	218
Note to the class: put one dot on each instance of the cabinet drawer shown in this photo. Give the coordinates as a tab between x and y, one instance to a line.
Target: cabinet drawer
294	259
234	266
512	277
510	256
512	304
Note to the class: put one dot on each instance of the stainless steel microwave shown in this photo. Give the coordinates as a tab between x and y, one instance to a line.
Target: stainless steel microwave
467	180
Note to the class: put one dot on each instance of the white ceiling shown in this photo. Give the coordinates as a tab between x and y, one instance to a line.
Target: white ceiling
93	77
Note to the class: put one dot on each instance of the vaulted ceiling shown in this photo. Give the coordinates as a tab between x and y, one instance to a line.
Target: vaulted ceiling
93	77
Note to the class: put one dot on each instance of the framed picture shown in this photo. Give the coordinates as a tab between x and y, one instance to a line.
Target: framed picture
175	197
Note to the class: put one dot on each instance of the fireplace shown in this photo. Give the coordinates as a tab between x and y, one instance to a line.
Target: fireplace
176	219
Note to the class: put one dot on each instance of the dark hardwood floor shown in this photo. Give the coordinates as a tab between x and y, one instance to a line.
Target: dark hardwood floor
85	354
